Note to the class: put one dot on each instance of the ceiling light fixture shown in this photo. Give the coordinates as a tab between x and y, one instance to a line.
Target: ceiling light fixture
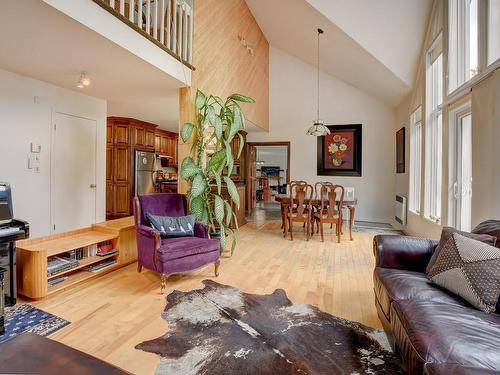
318	127
84	81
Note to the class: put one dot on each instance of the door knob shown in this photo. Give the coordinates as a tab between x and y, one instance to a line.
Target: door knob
93	186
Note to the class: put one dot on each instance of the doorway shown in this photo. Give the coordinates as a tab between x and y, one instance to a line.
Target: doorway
461	168
73	172
268	173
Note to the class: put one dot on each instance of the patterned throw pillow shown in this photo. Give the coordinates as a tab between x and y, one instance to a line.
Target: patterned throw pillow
446	234
470	269
170	227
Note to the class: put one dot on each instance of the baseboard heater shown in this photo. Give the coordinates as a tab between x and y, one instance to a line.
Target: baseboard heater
400	209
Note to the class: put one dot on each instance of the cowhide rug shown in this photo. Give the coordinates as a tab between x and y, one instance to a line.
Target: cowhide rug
221	330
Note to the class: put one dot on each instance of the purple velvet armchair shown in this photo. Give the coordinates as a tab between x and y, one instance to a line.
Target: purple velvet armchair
171	255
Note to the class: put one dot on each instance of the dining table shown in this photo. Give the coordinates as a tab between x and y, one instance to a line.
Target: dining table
349	204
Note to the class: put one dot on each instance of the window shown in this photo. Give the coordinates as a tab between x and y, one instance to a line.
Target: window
493	31
433	132
463	51
415	159
460	165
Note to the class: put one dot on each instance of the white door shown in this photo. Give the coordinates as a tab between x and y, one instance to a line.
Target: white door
73	174
462	170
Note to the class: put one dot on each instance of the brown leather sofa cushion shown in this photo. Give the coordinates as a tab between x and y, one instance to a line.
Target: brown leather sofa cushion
395	285
453	368
491	227
435	332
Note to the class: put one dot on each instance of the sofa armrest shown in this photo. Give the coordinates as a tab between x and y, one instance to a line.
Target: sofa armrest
148	237
200	230
403	252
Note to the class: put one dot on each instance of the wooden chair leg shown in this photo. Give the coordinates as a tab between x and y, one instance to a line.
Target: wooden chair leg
290	223
307	229
321	231
217	264
139	267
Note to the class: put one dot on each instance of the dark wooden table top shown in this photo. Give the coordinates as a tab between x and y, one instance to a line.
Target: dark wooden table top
29	353
285	199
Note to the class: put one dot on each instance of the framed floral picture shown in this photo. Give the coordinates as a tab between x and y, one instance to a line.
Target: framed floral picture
339	153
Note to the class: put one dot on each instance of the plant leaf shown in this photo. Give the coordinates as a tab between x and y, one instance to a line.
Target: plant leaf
219	209
199	185
211	114
241	145
198	207
237	124
186	131
229	157
222	238
217	124
218	181
189	169
200	100
236	221
219	101
242	98
233	245
233	191
217	161
229	213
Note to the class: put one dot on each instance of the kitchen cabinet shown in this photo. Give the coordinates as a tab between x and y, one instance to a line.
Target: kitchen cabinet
123	137
166	144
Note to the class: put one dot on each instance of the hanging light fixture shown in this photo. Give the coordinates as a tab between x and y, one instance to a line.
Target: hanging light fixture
318	127
84	81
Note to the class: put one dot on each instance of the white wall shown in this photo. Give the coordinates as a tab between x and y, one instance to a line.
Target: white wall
26	107
292	102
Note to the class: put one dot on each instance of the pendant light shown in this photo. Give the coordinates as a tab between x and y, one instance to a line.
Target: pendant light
318	127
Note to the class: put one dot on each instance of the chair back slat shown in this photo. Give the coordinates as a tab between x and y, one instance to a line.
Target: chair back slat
317	188
300	196
332	199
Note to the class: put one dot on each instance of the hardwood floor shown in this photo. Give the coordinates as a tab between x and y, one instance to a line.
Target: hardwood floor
112	314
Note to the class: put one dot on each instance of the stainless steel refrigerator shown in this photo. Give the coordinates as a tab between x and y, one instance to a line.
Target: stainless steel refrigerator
144	172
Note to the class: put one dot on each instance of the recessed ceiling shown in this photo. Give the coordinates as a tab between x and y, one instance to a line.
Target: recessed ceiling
52	47
355	47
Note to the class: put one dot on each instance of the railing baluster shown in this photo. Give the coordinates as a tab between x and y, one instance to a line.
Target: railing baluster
162	23
180	28
174	31
184	31
131	10
148	17
139	13
155	22
191	30
169	15
122	7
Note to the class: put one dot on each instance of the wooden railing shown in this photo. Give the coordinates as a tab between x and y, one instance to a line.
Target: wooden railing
167	23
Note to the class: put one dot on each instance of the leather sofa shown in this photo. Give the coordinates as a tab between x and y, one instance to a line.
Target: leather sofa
433	331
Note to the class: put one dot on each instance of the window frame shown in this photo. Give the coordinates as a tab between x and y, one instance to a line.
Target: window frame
433	133
416	146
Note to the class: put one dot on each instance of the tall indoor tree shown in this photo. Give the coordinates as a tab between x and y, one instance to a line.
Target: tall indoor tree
217	123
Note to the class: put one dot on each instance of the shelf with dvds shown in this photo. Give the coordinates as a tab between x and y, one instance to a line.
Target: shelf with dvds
53	263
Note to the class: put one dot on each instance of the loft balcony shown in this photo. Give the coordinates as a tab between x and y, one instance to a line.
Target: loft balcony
167	23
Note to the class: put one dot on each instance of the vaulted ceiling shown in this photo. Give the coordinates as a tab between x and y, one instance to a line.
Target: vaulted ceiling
373	45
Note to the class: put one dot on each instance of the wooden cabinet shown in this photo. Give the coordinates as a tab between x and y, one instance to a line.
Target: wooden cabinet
121	134
124	136
150	138
166	144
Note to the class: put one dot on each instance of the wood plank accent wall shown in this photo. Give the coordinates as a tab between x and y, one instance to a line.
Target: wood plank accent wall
223	64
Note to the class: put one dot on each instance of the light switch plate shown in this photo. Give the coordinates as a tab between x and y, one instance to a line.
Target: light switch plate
36	147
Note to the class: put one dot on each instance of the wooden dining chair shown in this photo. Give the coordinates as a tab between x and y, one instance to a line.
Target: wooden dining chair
283	213
300	208
330	211
317	188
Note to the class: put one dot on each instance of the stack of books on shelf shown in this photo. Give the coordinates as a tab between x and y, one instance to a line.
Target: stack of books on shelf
58	264
56	280
105	248
99	266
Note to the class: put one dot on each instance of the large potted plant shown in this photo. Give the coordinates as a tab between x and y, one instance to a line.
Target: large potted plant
217	123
